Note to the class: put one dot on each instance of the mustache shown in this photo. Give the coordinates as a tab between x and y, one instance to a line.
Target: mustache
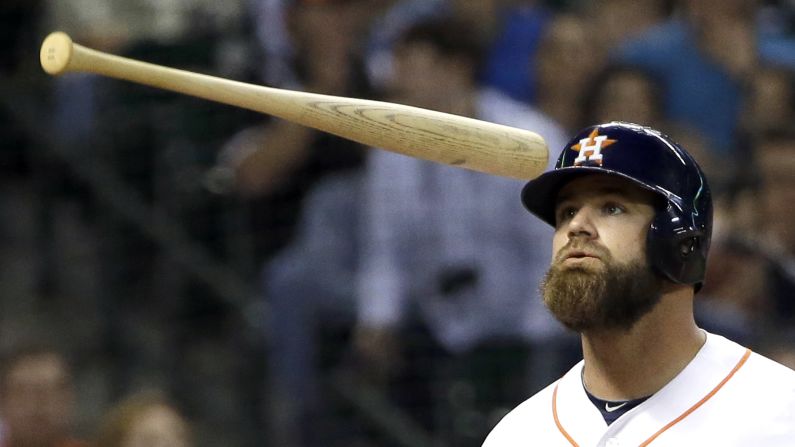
580	245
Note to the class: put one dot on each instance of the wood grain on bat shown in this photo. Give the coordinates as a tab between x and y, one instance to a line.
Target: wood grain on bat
440	137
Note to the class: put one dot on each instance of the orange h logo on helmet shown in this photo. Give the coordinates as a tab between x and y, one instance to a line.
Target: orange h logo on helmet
591	149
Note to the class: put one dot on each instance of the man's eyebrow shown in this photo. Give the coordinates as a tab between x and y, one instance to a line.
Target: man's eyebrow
600	190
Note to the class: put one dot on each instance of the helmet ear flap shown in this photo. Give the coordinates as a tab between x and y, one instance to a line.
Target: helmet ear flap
688	246
676	250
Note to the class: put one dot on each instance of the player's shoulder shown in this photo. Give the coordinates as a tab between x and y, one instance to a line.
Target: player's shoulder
760	376
771	375
758	367
770	388
533	418
515	425
772	368
537	402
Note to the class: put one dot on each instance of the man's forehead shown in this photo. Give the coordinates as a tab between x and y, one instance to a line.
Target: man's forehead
603	184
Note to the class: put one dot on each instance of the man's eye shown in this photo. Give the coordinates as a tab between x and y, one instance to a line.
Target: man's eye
566	213
612	209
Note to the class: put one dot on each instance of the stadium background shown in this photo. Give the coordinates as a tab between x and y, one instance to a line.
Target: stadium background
129	245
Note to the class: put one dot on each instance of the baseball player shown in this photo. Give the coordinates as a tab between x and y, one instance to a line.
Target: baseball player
632	214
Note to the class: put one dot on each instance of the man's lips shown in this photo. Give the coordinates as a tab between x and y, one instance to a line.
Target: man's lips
577	255
580	254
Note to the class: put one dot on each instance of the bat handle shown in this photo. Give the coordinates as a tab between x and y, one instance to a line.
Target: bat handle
56	54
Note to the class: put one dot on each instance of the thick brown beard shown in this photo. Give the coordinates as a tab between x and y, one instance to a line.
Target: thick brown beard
613	297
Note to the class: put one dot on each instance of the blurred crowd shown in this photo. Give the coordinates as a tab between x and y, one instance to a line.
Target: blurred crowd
177	272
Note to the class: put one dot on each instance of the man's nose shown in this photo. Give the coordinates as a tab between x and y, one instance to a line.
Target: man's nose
582	225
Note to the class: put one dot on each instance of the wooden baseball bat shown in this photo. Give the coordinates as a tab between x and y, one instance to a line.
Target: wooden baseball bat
426	134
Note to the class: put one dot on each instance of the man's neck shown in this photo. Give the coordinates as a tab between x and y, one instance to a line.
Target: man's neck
623	365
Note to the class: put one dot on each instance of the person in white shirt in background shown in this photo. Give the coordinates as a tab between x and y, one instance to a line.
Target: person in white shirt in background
449	267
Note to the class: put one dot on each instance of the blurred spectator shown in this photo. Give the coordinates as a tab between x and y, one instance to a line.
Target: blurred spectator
19	19
115	26
566	62
623	93
155	223
37	399
20	89
448	273
628	93
750	276
485	18
278	36
769	102
280	168
703	58
310	286
509	29
775	156
110	24
312	46
387	28
522	25
144	419
780	346
734	299
614	22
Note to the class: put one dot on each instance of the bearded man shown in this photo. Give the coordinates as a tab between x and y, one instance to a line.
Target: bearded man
632	214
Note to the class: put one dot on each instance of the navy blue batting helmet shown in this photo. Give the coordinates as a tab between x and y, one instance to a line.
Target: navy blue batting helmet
679	235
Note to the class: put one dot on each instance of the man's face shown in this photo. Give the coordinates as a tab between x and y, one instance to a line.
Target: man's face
600	277
418	73
37	400
561	52
159	426
627	94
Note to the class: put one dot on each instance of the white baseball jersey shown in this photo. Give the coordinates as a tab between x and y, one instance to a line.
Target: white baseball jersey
726	396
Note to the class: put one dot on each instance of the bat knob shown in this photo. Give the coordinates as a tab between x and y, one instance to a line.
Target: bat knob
56	53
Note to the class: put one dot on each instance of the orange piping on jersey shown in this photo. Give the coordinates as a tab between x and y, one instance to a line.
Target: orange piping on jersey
557	421
702	401
670	424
